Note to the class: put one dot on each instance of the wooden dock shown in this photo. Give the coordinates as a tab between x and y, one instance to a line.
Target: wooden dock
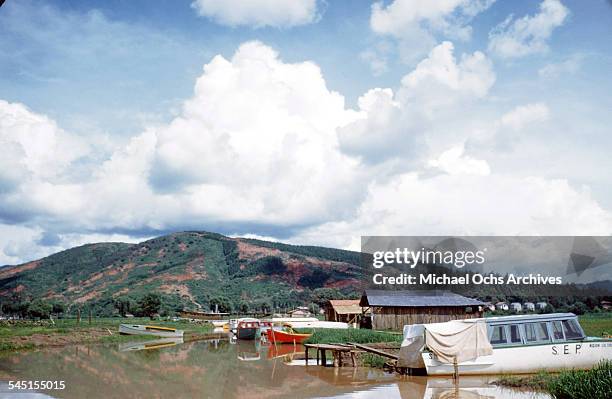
375	351
338	350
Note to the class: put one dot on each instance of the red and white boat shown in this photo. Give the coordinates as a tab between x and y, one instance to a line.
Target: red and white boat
286	337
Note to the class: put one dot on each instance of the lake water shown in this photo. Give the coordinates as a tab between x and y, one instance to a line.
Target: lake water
219	368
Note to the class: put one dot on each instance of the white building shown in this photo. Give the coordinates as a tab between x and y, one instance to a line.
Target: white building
529	306
541	305
501	306
517	307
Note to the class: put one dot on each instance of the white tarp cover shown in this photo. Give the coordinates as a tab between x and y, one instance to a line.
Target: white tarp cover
465	340
412	346
458	339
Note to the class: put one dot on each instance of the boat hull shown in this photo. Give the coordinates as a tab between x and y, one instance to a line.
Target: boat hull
282	337
134	329
220	323
528	359
246	333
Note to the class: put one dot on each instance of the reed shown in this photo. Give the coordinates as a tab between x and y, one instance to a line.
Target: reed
595	383
371	360
360	336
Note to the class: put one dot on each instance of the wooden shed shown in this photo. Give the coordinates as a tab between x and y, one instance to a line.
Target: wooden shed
344	310
392	310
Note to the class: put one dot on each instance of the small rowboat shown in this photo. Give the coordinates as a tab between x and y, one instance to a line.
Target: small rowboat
158	331
286	337
220	323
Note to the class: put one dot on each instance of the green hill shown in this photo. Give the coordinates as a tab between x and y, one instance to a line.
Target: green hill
194	270
200	270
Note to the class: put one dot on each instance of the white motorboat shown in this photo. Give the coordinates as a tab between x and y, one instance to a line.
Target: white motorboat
501	345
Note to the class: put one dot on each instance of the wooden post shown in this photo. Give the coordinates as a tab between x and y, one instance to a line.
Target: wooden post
455	369
89	315
306	355
318	353
323	358
353	358
79	316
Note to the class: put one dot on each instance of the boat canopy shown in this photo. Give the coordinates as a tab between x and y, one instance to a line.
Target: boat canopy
457	340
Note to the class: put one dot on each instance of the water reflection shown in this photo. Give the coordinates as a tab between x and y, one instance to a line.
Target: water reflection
217	369
150	345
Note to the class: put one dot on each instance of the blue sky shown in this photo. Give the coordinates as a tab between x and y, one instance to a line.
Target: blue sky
480	117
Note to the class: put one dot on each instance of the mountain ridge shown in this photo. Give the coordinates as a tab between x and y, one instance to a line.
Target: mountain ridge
193	269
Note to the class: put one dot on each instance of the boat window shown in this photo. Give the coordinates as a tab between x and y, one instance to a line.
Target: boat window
536	332
515	334
572	329
542	332
499	335
557	330
530	332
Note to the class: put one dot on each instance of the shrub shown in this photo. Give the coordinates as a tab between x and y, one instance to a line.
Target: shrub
593	384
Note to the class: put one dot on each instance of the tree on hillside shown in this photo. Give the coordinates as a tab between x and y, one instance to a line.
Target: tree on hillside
223	303
244	307
123	305
150	304
39	309
57	308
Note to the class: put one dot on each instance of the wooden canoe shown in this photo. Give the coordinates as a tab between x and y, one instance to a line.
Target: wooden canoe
158	331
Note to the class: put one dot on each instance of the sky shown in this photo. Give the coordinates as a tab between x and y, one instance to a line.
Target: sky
309	122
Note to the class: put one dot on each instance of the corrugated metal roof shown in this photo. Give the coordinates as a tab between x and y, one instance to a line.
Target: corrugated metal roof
416	299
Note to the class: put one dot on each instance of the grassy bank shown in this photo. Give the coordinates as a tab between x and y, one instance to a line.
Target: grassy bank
595	383
596	324
21	335
360	336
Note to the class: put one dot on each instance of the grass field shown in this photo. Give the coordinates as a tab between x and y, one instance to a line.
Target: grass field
328	336
596	324
31	334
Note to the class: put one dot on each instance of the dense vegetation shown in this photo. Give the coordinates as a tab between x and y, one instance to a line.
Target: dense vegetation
595	383
359	336
572	384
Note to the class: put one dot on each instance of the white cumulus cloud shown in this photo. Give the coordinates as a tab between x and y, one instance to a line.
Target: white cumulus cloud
527	35
264	147
454	161
416	23
467	205
258	13
392	124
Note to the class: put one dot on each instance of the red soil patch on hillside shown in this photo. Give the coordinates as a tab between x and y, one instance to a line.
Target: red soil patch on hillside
12	270
88	296
253	252
180	289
